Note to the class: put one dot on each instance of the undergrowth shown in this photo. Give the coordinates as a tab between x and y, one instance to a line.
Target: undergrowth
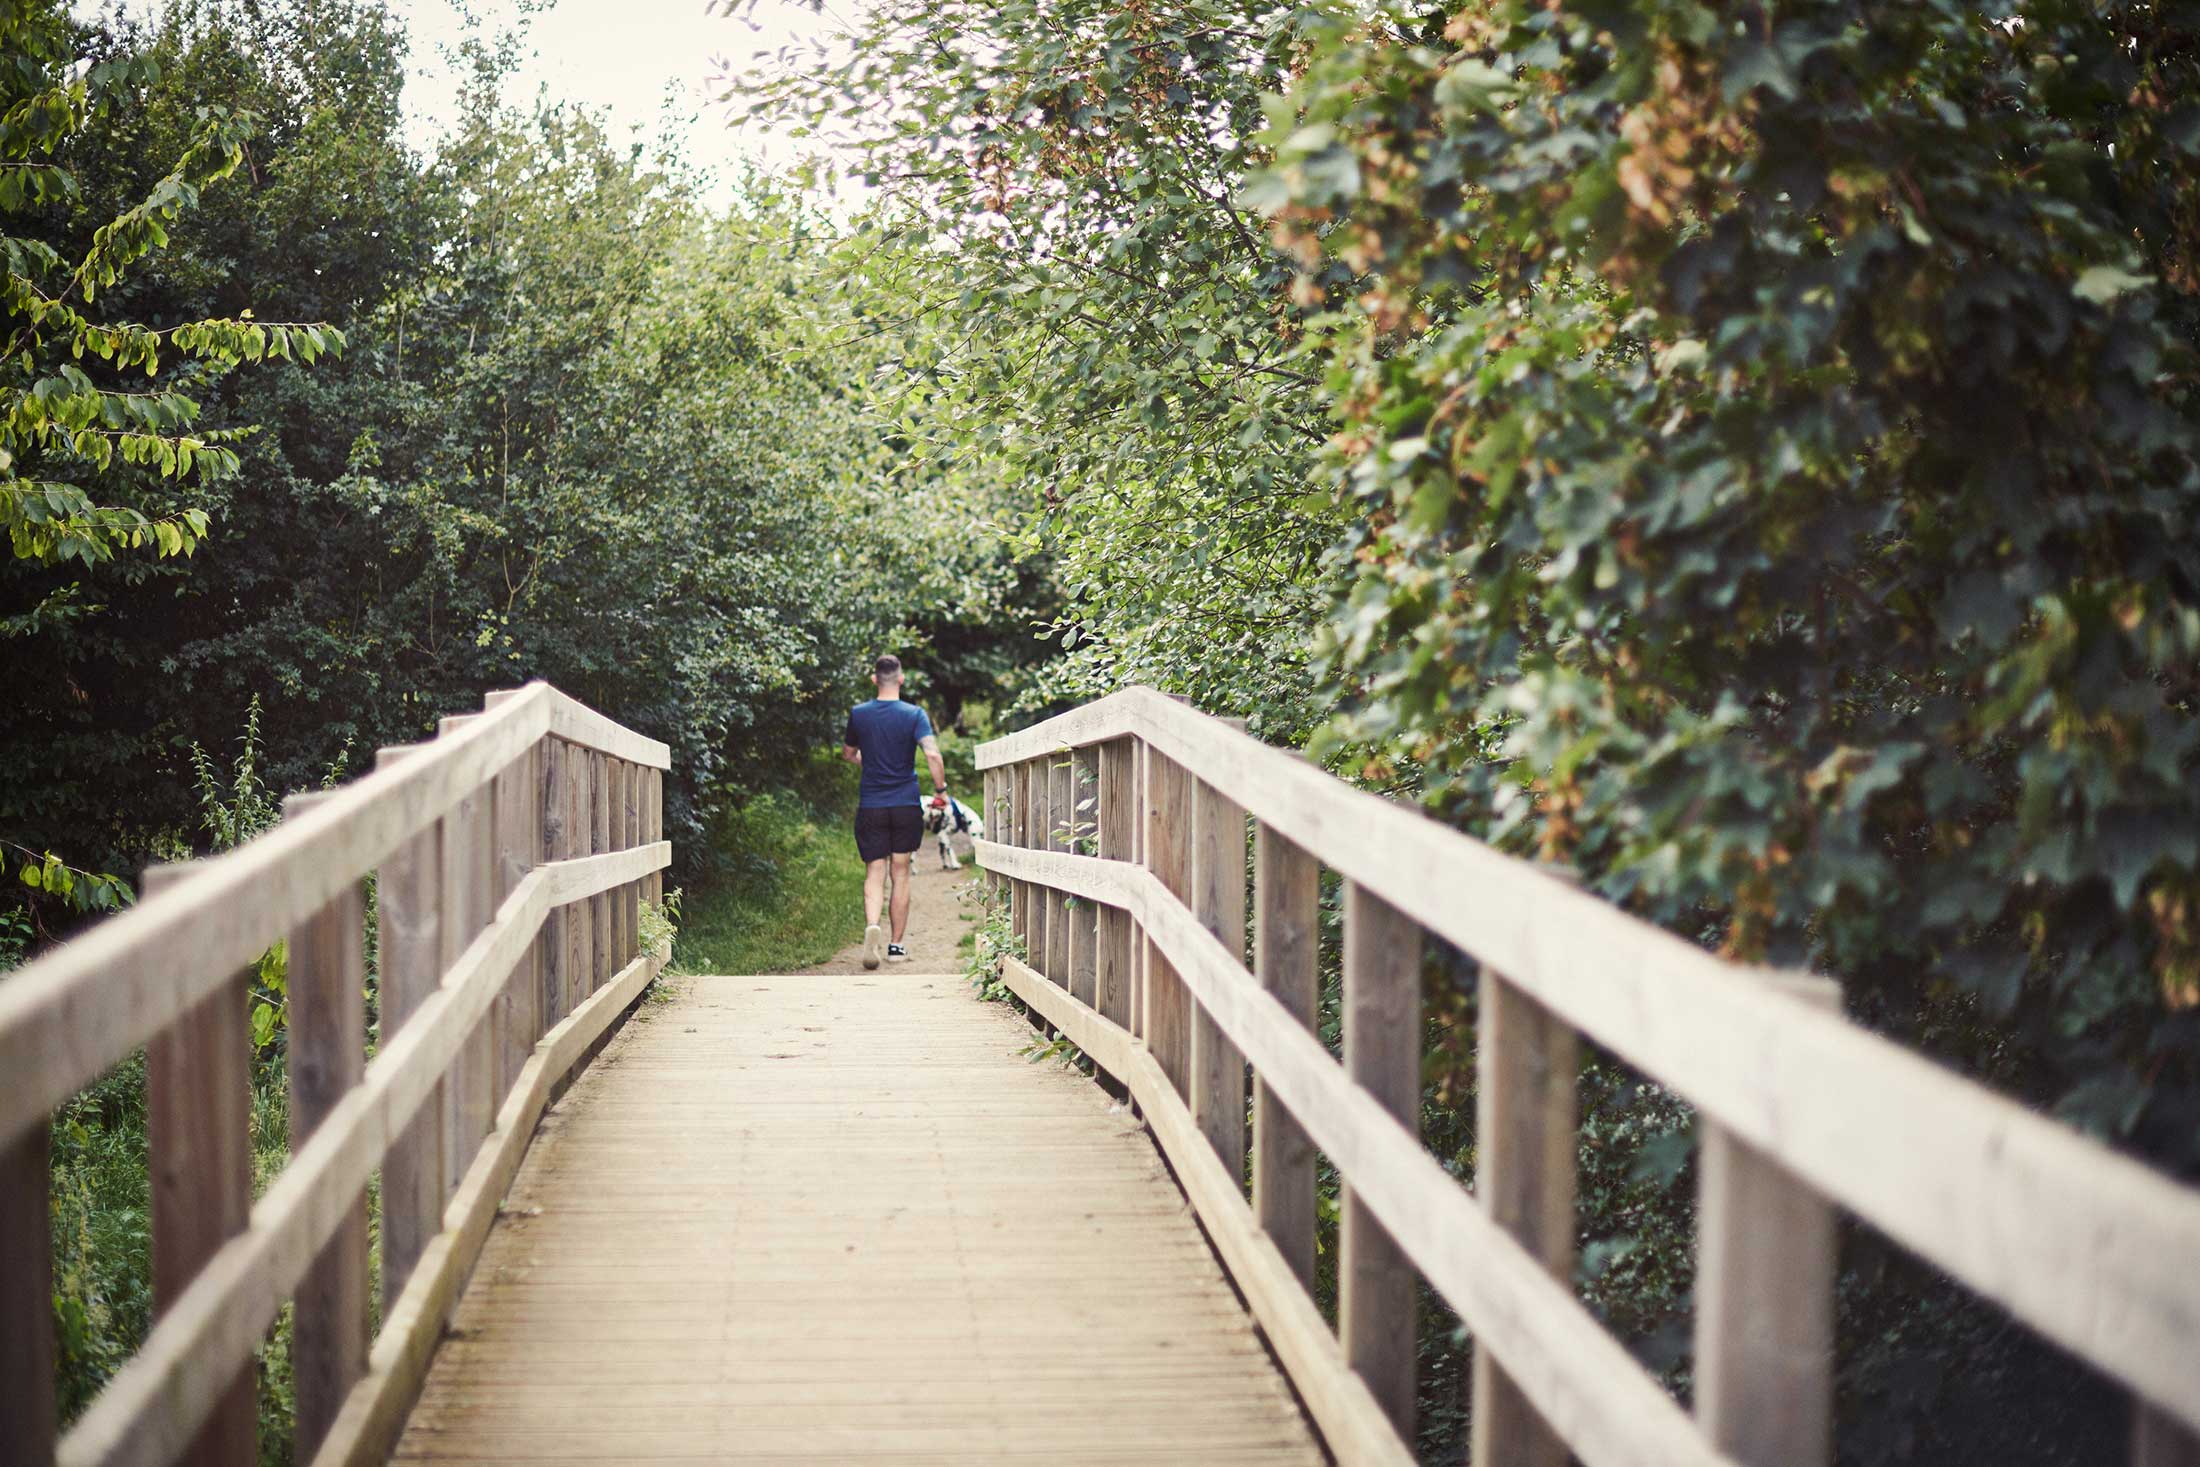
780	890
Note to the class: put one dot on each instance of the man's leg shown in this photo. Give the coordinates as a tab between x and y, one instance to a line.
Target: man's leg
901	894
874	891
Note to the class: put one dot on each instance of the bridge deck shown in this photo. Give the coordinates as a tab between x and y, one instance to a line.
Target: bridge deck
836	1218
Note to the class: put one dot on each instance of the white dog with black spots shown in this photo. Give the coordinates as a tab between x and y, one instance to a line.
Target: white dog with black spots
947	818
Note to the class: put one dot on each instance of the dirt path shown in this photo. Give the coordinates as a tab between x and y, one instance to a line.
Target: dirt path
942	907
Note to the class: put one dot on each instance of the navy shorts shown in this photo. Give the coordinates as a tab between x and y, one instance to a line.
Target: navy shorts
888	828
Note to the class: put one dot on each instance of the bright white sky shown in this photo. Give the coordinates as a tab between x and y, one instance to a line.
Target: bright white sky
649	63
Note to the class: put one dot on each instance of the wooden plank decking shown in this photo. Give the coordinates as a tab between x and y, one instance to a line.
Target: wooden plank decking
837	1218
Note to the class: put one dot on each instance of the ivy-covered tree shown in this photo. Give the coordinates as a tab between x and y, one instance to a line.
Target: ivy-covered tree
1774	450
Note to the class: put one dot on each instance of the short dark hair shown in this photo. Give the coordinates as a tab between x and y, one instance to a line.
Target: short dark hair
888	666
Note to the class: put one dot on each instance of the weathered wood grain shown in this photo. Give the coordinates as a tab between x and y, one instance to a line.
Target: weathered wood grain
2087	1246
1287	963
1527	1064
198	1122
81	1009
326	1058
775	1188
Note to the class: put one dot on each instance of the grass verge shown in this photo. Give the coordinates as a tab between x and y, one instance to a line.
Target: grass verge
786	892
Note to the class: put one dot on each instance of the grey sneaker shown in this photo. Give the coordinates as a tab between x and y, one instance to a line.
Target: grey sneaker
874	938
896	953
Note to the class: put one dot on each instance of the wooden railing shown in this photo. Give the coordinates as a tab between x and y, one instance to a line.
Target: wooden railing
1137	807
512	855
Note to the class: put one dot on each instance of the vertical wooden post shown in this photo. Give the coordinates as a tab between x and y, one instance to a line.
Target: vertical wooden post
408	897
1141	949
1527	1061
599	843
1084	924
630	836
1118	811
1012	833
1169	853
516	1019
1765	1267
2159	1439
1286	959
198	1113
988	811
29	1424
1037	897
1218	901
653	829
551	821
580	955
468	857
1382	1054
327	1057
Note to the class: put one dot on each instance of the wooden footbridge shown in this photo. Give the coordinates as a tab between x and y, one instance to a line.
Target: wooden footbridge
833	1219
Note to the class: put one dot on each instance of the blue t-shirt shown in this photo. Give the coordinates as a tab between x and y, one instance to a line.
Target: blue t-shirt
888	730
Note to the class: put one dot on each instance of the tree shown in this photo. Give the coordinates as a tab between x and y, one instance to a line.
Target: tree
91	468
1104	333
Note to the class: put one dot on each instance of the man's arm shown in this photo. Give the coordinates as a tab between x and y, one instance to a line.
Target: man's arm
931	745
852	754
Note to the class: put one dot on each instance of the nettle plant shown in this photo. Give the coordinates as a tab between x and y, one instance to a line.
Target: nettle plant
1773	438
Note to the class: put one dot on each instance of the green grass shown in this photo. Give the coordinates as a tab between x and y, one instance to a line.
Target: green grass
791	894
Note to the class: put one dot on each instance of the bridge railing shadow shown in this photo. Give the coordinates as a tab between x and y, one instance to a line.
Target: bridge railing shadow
511	857
1121	852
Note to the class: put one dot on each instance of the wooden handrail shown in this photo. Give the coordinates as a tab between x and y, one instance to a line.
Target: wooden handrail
510	945
2090	1247
80	1010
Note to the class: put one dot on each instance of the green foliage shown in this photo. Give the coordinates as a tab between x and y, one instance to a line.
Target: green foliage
1103	332
584	430
1791	523
57	423
990	941
785	890
1771	441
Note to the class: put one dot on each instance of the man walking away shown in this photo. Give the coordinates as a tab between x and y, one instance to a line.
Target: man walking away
882	740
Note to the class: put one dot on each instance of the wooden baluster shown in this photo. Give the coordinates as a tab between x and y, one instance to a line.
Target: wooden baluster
630	836
29	1421
198	1115
2159	1439
467	876
1113	962
1084	924
599	843
1286	958
1141	949
1218	901
1036	898
516	1018
1061	825
550	818
1382	1053
989	812
1012	833
1765	1267
1169	851
1526	1065
327	1057
580	953
653	830
614	910
408	897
